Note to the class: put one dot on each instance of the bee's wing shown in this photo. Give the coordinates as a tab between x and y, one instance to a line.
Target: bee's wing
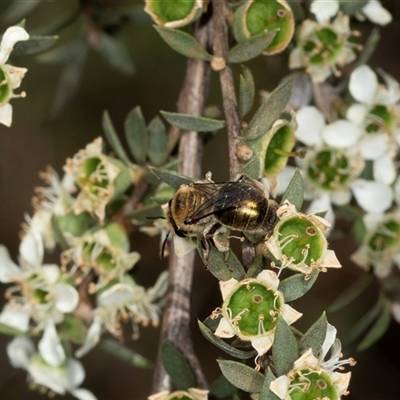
225	197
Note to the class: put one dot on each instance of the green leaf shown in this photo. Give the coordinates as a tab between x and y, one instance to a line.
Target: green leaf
250	48
252	169
363	323
379	327
284	350
352	292
269	111
223	269
242	376
315	336
157	148
17	10
136	134
74	329
125	353
177	366
172	178
116	54
8	330
183	43
192	122
265	393
34	45
142	214
295	191
369	47
216	341
112	138
222	388
297	9
255	267
246	91
295	286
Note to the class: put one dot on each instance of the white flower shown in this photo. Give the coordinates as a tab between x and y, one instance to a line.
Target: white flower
313	376
43	293
377	113
125	301
323	47
333	164
257	321
60	379
373	10
10	76
191	394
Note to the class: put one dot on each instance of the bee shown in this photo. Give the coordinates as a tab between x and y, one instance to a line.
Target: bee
207	210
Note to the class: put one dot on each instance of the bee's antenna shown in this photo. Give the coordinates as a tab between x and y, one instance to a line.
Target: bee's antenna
163	245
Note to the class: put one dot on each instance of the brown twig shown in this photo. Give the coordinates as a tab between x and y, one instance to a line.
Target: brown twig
176	320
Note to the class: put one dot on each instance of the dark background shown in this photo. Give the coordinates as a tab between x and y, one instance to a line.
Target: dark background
36	140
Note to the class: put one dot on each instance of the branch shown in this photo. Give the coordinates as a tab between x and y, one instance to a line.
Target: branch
176	320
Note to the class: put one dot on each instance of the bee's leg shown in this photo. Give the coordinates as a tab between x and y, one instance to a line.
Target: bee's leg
205	244
219	238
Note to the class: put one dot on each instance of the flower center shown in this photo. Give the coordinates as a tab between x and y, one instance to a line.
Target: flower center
172	10
329	170
299	241
253	308
307	385
380	119
385	241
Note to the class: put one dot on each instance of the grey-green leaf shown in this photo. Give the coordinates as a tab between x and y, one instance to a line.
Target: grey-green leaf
379	327
269	111
218	342
194	123
136	134
224	270
125	353
253	47
116	54
172	178
222	388
246	91
242	376
183	43
177	366
112	137
157	148
252	168
315	336
352	6
285	349
295	191
295	286
34	45
265	393
8	330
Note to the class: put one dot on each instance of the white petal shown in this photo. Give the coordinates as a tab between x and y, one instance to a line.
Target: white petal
384	170
356	113
119	293
363	84
11	36
224	329
395	307
31	249
83	394
50	346
396	189
226	287
324	9
15	316
183	246
320	204
8	269
373	146
6	114
341	197
330	260
391	93
280	386
310	124
53	378
50	273
263	343
92	338
67	297
374	11
19	351
290	315
76	372
330	337
372	197
15	75
341	134
270	278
